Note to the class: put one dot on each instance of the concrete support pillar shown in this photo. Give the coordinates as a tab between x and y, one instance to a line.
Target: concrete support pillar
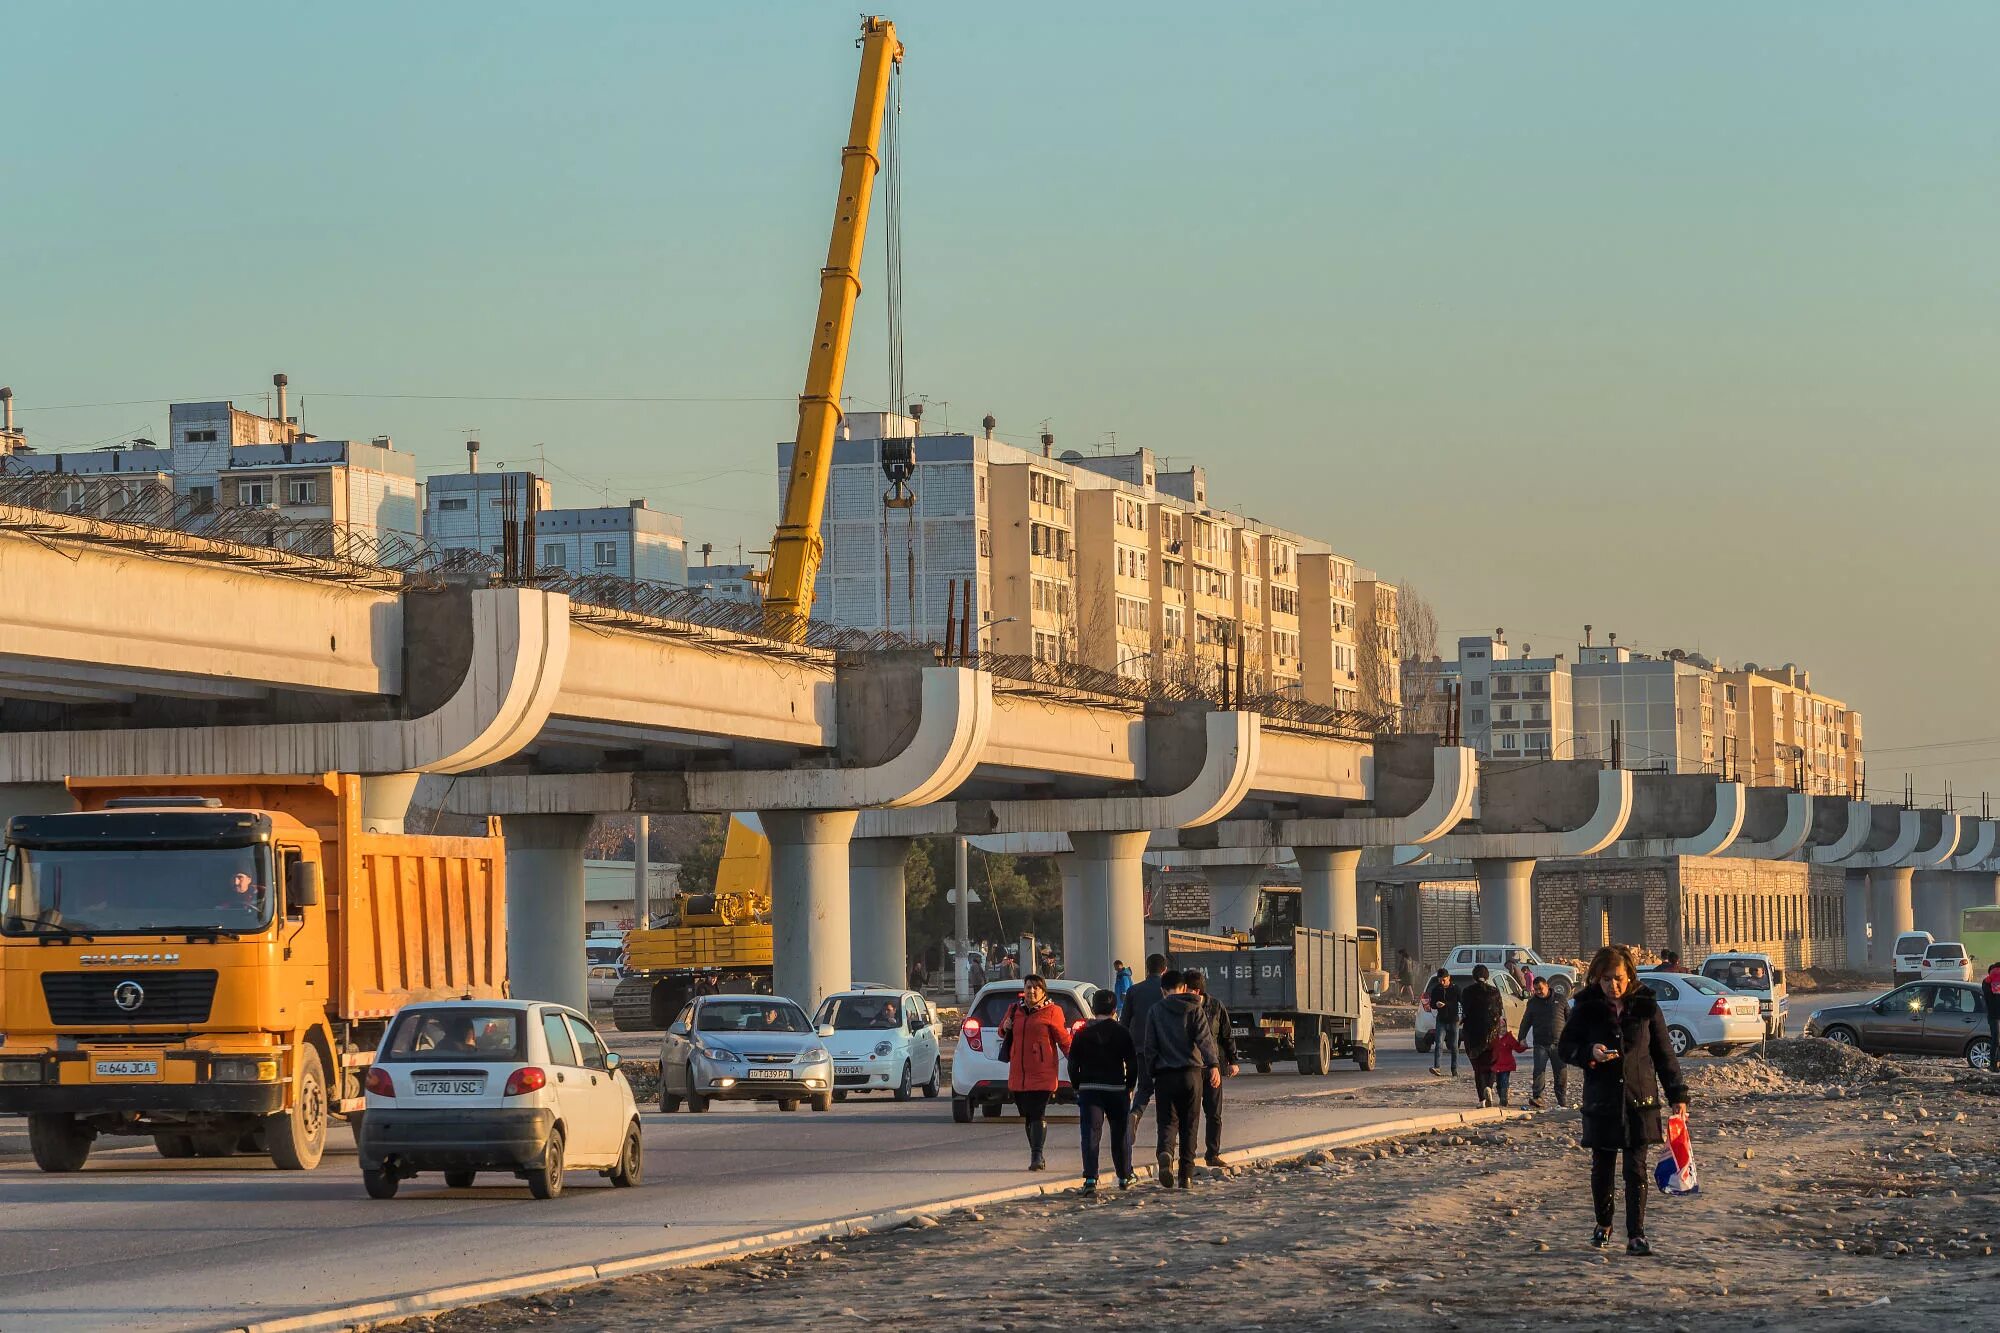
1328	898
1233	892
880	927
385	801
1077	927
811	939
33	798
1506	900
1934	903
1854	915
1111	890
1890	911
545	958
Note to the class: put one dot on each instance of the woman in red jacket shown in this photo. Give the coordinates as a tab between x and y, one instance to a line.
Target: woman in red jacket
1034	1037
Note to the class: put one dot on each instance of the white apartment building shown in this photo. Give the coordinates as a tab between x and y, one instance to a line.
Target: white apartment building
466	511
225	457
1509	707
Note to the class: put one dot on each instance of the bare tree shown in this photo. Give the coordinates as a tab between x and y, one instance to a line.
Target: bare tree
1397	661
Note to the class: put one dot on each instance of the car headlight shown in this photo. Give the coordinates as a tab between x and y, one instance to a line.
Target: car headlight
243	1069
814	1054
718	1053
882	1048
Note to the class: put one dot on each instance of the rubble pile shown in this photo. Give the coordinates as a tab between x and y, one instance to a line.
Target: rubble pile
1817	1060
1734	1078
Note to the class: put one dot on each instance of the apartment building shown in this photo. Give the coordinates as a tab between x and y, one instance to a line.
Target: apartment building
465	511
730	583
1509	707
98	481
1787	734
1381	679
1665	714
1106	560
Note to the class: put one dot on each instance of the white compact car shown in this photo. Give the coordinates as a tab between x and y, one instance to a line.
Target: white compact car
978	1075
1701	1011
883	1041
464	1086
1947	960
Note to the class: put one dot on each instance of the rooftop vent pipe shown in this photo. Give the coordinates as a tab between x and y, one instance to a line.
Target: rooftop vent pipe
1048	443
472	455
988	422
280	380
7	402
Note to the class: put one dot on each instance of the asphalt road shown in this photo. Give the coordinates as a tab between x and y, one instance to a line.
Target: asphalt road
135	1241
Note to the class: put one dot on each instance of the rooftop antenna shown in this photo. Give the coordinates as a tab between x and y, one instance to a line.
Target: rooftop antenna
1048	440
1586	636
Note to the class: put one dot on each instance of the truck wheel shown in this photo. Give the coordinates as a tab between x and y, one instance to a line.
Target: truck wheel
174	1145
547	1181
1364	1057
60	1142
298	1136
380	1183
1559	989
961	1110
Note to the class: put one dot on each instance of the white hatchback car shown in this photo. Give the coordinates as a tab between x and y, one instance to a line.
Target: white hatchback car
1947	960
978	1075
1701	1011
464	1086
883	1041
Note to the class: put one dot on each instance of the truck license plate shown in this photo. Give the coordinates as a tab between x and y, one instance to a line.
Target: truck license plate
128	1069
449	1087
770	1073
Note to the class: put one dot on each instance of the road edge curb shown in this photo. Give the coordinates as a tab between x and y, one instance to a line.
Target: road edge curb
394	1309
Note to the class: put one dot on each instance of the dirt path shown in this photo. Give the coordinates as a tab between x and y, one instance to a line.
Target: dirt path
1838	1191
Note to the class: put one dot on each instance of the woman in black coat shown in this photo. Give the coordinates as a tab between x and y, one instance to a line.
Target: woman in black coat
1618	1036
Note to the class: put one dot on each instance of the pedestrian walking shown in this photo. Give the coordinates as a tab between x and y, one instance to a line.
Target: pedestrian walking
1482	1017
1991	985
1121	983
1670	961
1225	1045
1405	969
1617	1035
975	970
1543	1020
1104	1068
1504	1064
1139	1002
1441	998
1179	1047
1033	1039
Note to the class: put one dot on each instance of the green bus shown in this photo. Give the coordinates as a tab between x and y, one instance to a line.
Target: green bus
1979	931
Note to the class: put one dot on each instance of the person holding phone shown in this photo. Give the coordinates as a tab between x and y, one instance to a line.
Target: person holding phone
1617	1035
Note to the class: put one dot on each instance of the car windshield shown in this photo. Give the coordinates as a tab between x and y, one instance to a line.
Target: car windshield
1738	973
867	1013
136	890
458	1033
751	1016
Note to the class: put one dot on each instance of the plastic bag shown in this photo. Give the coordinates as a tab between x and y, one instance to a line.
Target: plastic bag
1676	1173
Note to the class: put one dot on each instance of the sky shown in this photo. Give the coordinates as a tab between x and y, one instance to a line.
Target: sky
1676	320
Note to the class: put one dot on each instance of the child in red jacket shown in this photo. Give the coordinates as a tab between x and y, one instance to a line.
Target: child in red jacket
1504	1051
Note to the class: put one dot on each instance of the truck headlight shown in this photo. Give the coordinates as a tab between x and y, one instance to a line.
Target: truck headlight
243	1069
20	1071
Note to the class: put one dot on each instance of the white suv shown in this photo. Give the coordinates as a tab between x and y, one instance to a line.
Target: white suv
464	1086
978	1075
1511	958
883	1041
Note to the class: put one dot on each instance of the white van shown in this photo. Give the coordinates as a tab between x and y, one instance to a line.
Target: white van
1906	959
1753	974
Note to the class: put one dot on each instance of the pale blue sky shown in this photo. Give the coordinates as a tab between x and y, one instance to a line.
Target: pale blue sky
1680	320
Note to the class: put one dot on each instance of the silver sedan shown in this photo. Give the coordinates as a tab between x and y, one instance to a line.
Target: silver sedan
744	1048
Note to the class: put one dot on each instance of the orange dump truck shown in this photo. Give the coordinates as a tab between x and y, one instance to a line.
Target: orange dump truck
209	962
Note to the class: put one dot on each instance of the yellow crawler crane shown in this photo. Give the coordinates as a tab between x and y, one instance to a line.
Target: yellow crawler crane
705	947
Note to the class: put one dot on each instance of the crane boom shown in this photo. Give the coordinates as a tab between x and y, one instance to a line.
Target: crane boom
797	548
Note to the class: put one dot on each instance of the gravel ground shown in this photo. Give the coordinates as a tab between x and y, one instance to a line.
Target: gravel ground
1838	1190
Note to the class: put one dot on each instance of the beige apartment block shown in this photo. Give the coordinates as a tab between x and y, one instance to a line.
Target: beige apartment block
1034	560
1787	734
1328	629
1377	626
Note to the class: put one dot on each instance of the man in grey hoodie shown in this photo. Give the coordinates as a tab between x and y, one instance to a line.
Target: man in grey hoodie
1139	1002
1178	1046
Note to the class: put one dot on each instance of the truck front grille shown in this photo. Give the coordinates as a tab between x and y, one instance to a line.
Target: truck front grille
162	997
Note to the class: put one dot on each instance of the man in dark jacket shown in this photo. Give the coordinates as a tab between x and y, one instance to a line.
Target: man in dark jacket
1544	1020
1178	1046
1482	1017
1103	1067
1441	998
1217	1015
1139	1002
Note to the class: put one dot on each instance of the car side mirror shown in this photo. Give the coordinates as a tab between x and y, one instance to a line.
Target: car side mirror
612	1060
677	1030
826	1029
1777	978
305	885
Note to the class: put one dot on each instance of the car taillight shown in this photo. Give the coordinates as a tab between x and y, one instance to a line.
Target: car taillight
1720	1009
970	1030
530	1078
378	1082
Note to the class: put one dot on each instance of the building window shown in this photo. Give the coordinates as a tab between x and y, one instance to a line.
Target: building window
200	437
304	492
1479	715
1506	712
1535	713
605	553
1478	688
452	505
253	494
202	497
552	555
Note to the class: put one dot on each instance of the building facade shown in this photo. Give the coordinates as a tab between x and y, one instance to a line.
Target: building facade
1509	707
466	511
1789	735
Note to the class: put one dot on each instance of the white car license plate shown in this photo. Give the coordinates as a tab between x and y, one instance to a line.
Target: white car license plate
851	1070
770	1073
128	1068
448	1087
1239	1032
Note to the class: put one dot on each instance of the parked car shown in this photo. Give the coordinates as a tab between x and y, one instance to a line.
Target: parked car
978	1075
604	946
745	1048
464	1086
1512	999
1906	956
1754	974
1947	960
1920	1018
1703	1012
1511	958
883	1041
602	980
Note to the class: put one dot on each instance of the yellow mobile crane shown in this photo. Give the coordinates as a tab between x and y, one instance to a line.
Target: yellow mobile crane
726	936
